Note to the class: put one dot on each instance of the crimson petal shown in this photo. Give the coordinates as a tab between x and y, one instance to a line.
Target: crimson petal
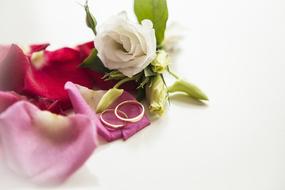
85	49
59	67
38	47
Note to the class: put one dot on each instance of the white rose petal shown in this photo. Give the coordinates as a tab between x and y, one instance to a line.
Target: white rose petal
126	46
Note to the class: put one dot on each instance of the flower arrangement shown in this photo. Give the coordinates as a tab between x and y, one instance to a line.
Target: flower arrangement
50	112
134	51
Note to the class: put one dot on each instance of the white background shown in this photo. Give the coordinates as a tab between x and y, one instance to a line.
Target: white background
234	50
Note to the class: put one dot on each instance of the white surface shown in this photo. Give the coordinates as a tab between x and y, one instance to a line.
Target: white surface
234	50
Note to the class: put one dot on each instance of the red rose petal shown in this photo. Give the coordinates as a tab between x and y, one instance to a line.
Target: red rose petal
85	49
61	66
44	86
54	106
38	47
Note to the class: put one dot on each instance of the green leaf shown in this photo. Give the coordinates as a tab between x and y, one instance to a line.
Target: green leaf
188	88
90	19
143	82
148	72
108	98
114	75
93	62
156	11
140	95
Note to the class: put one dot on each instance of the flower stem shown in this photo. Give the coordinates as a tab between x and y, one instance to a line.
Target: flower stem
121	82
172	73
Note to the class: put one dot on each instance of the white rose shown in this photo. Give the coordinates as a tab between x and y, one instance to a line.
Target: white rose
126	46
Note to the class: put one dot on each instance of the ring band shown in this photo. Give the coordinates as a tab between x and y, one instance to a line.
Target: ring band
110	124
134	119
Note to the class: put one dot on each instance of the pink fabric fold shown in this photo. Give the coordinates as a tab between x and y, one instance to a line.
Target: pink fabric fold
80	105
45	147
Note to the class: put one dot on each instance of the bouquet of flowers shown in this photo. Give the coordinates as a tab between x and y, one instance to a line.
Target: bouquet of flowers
54	104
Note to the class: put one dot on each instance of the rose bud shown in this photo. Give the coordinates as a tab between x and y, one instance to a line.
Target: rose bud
90	19
157	97
161	62
188	88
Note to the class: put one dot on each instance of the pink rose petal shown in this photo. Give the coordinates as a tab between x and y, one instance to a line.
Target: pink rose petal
13	63
7	99
3	52
44	147
84	101
80	106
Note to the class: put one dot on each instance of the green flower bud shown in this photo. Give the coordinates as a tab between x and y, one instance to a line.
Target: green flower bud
108	99
188	88
160	63
90	19
156	95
